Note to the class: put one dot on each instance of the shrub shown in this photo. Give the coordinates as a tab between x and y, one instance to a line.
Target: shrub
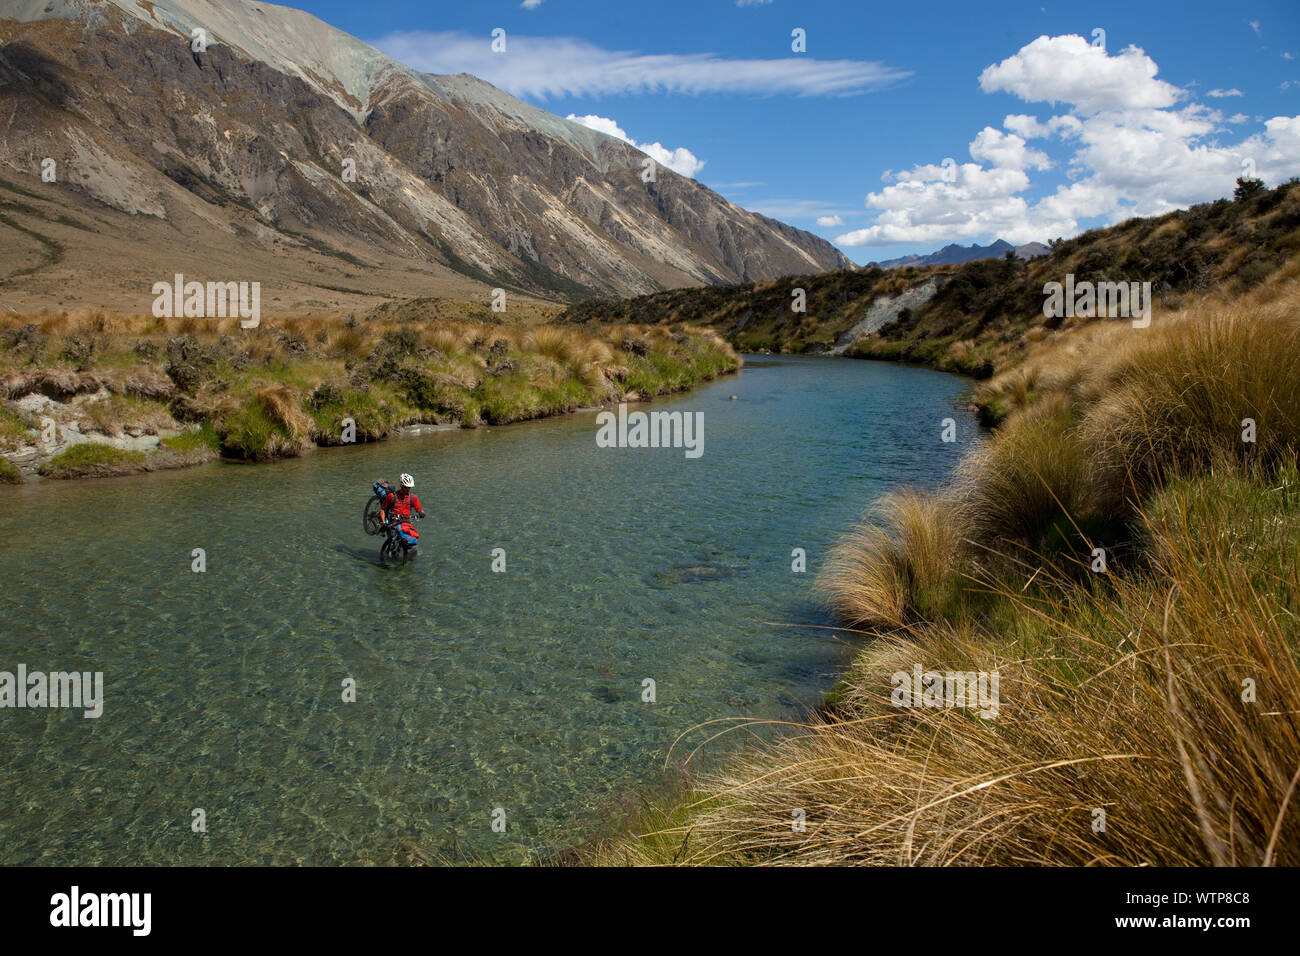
9	473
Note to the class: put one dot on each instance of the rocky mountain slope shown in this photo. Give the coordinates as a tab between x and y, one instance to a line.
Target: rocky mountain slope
236	160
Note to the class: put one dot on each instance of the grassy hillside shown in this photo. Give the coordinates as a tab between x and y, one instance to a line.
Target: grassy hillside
985	314
1149	705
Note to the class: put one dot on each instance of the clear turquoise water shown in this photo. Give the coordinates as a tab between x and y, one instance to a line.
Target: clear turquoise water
476	690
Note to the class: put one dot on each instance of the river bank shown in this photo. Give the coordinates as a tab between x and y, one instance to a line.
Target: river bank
1112	580
94	394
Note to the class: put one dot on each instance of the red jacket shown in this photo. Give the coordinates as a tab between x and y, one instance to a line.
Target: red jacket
402	506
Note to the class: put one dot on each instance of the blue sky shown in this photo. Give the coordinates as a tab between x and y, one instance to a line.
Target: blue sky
855	131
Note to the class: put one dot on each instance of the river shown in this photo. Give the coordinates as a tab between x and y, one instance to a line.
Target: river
480	696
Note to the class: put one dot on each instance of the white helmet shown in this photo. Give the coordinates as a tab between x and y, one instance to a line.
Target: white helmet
407	481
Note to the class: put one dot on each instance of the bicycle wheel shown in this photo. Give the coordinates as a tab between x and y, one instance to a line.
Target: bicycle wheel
370	517
392	554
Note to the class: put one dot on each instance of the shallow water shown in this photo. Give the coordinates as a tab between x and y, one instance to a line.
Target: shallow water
475	690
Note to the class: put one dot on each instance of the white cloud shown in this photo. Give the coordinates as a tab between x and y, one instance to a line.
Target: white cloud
531	4
1134	154
1236	118
544	67
1254	25
1006	150
679	160
1069	69
1220	94
752	3
827	221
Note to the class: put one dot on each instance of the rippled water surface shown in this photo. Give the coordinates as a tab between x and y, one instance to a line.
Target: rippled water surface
476	690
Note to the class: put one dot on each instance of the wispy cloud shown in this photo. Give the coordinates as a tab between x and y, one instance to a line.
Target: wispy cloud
1220	94
543	67
796	208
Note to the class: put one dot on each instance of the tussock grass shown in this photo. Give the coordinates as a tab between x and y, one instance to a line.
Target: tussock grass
1021	485
901	553
1183	398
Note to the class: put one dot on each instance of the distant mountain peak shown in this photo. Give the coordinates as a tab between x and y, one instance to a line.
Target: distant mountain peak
955	254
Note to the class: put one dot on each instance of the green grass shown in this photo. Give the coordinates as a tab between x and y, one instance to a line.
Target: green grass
374	416
13	429
91	458
253	433
9	473
203	438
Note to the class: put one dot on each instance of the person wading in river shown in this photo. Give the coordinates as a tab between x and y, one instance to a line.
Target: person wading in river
400	503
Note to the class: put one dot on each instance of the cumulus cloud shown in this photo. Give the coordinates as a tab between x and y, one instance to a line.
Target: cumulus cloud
1069	69
1006	150
1134	151
1220	94
1030	128
680	160
543	67
826	221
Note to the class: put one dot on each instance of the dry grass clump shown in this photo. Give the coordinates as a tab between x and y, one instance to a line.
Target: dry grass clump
907	546
1023	482
1187	396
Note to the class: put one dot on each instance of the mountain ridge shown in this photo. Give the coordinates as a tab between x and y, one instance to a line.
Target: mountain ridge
247	141
954	254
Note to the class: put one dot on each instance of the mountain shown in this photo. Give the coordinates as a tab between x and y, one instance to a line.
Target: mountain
953	254
229	163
